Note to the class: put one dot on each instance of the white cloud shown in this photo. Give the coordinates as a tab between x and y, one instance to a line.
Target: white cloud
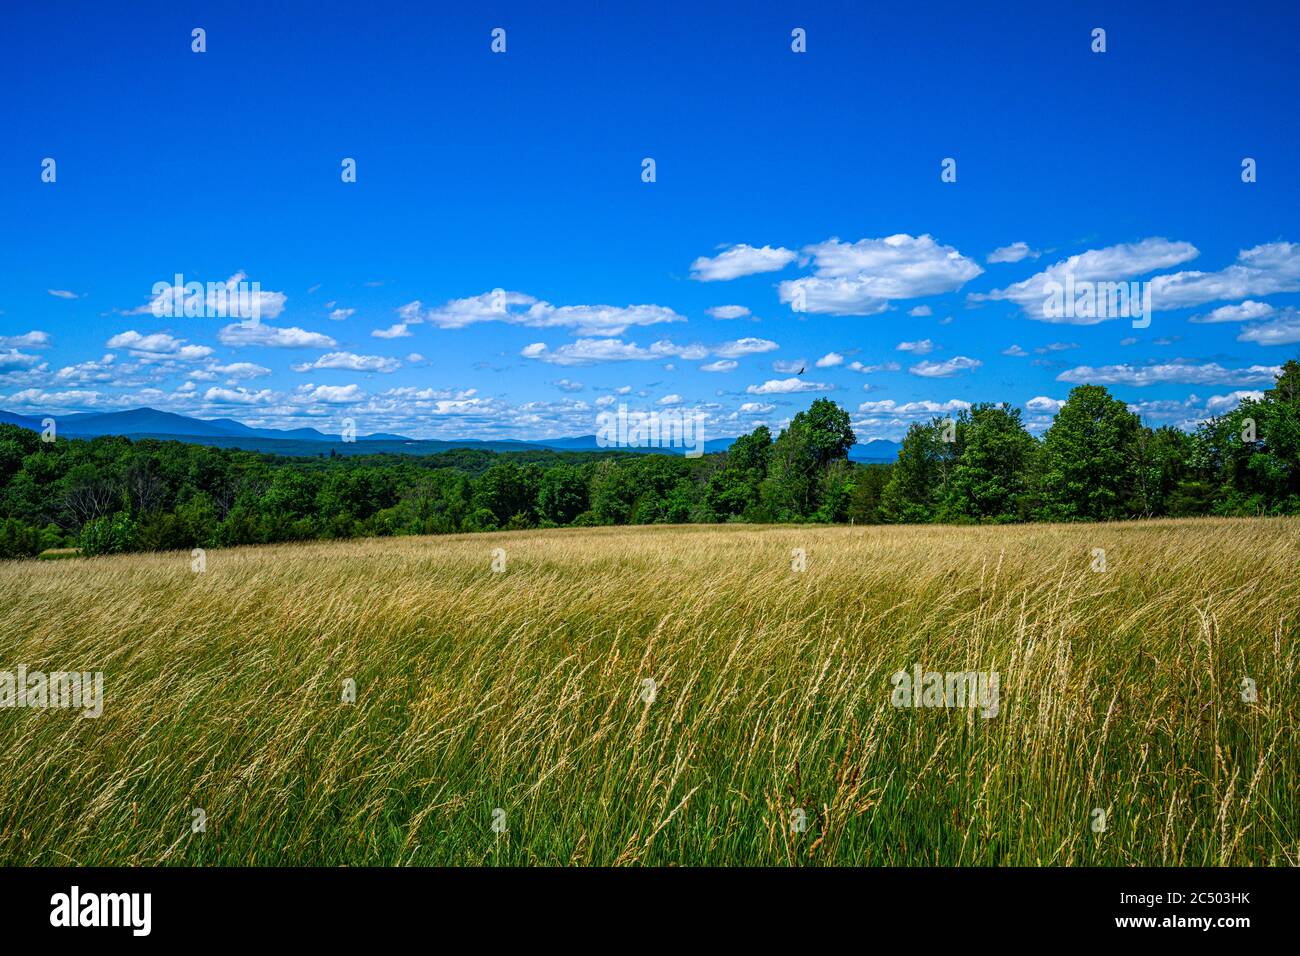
518	308
756	408
239	370
591	351
721	365
1282	330
238	396
11	359
62	294
921	311
28	340
1242	312
741	260
1015	351
1183	373
1259	271
568	385
670	400
790	366
1219	404
742	347
862	278
157	345
830	360
338	315
728	312
398	331
171	300
351	362
871	369
924	407
946	368
923	347
73	398
787	386
330	394
238	335
1109	264
1043	405
1012	253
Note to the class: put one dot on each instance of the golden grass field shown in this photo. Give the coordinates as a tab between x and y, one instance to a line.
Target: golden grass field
520	698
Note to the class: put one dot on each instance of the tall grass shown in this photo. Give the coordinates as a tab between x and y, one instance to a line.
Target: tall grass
525	691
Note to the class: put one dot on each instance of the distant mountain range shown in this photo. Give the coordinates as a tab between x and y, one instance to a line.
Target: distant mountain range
228	433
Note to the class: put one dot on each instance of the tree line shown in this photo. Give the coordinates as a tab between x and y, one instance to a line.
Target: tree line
1096	462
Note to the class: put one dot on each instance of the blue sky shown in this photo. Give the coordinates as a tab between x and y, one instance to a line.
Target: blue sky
776	173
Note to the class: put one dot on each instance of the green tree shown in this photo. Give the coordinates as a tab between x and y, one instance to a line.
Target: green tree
562	495
1089	458
733	490
991	474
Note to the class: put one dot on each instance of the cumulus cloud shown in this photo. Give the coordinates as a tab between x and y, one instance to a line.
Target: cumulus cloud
592	351
518	308
741	260
1282	330
864	277
1015	350
238	396
1110	264
788	386
1012	253
13	359
925	407
338	315
728	312
157	345
330	394
721	365
923	347
28	340
830	360
946	368
1258	271
921	311
351	362
1209	373
397	331
1241	312
238	335
237	370
746	346
1219	404
1041	404
870	369
171	299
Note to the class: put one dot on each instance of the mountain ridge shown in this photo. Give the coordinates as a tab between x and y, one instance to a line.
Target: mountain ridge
146	422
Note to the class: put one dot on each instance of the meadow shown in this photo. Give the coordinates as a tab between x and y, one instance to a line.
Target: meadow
667	695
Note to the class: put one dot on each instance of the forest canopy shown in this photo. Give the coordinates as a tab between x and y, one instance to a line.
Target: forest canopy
1096	462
